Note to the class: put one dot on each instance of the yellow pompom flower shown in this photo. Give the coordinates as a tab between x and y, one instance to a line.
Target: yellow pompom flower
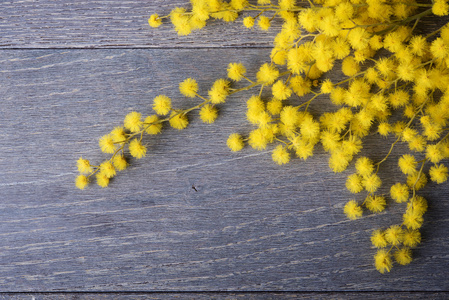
399	98
155	126
371	183
201	11
287	4
280	90
352	145
278	56
354	183
414	181
432	131
255	103
81	181
106	144
102	179
434	153
385	66
375	204
258	139
376	42
338	95
132	121
378	102
252	115
438	173
411	238
107	168
289	116
178	120
409	112
440	8
219	91
384	128
84	166
382	261
120	162
239	4
267	74
297	60
409	134
208	113
154	21
235	142
340	47
274	107
352	210
378	239
418	45
399	127
403	256
162	104
263	119
236	71
264	23
371	75
418	205
304	150
394	235
280	155
330	140
118	135
339	161
407	164
358	38
136	149
418	143
344	11
327	86
188	88
329	25
181	21
357	93
308	18
364	166
438	49
412	219
349	66
248	22
300	86
399	192
309	128
406	71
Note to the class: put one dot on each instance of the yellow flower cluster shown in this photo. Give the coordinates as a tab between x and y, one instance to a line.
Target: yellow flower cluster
127	140
386	68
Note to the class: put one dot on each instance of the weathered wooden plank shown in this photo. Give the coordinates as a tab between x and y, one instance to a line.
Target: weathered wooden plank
227	296
111	23
250	226
119	24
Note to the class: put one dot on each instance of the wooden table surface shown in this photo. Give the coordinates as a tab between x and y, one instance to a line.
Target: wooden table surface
69	72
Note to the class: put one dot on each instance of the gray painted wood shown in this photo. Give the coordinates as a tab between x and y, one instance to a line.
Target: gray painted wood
118	24
250	226
227	296
112	23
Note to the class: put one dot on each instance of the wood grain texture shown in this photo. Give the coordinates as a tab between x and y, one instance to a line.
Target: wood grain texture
119	24
250	226
111	23
226	295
